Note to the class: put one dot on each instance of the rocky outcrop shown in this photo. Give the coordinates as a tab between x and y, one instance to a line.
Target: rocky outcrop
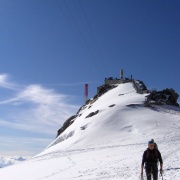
111	105
166	96
67	123
104	88
92	114
139	86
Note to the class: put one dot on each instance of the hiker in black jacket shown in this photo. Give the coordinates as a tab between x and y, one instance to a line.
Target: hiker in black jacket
150	159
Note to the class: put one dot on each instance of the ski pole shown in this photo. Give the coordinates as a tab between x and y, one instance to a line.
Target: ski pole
161	174
142	178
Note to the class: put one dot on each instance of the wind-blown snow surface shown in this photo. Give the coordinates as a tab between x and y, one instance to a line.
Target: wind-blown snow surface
108	145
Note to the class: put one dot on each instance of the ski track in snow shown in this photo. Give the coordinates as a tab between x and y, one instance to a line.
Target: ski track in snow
106	169
111	166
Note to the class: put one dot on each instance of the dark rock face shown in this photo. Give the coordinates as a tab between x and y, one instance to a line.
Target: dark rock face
92	114
104	88
139	86
166	96
67	123
111	105
84	127
120	94
80	109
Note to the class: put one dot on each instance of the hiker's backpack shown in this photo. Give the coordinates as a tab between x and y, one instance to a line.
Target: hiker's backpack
155	146
147	155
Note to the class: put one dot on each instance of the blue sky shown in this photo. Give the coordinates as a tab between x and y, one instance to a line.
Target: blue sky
50	48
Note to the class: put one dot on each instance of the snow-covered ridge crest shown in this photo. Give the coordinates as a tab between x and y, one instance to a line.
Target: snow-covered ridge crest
94	113
133	94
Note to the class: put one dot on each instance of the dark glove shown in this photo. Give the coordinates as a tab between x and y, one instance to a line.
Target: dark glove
161	171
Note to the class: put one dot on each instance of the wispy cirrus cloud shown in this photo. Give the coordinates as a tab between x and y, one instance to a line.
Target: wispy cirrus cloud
34	108
6	83
31	114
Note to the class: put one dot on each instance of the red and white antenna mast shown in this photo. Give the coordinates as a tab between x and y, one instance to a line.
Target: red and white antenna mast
86	93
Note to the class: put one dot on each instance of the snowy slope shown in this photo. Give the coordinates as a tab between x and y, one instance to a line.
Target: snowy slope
108	145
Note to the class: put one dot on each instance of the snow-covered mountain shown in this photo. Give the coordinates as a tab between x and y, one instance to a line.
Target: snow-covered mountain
9	160
106	140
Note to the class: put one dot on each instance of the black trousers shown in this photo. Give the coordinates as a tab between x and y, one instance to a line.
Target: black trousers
151	170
